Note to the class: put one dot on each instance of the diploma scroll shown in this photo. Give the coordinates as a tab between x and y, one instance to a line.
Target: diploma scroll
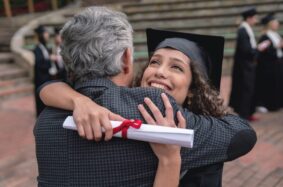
149	133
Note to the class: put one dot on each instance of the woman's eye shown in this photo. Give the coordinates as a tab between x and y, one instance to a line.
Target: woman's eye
178	68
152	62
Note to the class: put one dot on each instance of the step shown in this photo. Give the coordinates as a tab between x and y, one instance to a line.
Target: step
193	24
6	57
10	83
187	5
200	13
5	48
20	90
13	73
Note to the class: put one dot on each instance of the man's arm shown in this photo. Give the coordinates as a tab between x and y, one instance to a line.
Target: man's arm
61	95
215	139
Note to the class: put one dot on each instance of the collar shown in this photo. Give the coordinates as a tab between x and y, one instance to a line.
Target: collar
97	82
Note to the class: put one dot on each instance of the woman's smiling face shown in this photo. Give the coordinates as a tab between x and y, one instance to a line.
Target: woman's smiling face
169	70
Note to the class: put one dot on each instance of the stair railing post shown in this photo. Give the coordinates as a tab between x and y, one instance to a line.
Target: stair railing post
7	7
30	6
54	4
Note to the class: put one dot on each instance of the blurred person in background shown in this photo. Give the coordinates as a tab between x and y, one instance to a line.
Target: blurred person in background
269	74
59	63
44	69
242	98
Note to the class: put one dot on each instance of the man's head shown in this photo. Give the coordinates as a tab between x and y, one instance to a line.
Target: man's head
250	15
98	43
57	36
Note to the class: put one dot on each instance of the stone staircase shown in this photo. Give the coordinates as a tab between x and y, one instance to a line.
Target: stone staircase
212	17
14	80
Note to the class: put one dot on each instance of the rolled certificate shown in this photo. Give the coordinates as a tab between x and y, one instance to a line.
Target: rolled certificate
149	133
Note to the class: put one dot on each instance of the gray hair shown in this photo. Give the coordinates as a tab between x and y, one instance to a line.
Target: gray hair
94	42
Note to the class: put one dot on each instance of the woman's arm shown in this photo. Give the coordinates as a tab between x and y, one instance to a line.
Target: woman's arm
168	172
61	95
169	158
89	117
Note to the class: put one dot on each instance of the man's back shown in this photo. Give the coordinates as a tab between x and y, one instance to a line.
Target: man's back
66	159
71	160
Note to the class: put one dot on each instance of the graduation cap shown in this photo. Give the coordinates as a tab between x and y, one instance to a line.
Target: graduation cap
249	12
57	30
206	52
40	29
266	19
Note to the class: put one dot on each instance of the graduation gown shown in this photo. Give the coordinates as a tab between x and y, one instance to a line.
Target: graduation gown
243	76
269	78
41	75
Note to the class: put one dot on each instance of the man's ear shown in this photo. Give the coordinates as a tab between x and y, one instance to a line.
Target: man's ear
127	60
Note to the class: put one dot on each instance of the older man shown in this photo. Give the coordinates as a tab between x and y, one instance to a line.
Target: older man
97	49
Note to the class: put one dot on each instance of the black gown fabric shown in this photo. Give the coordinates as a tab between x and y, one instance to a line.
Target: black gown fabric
243	76
207	176
41	75
269	78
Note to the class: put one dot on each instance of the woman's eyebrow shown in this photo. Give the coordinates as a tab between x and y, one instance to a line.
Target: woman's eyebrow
177	60
156	55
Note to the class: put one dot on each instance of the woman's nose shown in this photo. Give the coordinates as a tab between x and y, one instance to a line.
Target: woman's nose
161	72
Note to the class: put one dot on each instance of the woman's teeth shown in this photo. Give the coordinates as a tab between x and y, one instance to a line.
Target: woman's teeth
156	85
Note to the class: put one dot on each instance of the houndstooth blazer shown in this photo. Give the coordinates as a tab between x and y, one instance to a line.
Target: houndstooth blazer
66	159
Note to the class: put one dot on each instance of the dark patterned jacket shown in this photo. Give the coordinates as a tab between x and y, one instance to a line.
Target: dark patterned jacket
66	159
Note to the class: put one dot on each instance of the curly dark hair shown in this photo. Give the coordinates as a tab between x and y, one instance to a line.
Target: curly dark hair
203	98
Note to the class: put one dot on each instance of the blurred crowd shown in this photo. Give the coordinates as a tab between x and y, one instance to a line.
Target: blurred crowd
257	77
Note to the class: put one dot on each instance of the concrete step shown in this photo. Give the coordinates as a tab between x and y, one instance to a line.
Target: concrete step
201	13
19	90
13	73
213	22
5	48
166	6
6	57
10	83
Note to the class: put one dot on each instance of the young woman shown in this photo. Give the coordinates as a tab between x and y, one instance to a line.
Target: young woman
179	66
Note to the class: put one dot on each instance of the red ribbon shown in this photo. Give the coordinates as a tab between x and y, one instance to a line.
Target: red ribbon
125	125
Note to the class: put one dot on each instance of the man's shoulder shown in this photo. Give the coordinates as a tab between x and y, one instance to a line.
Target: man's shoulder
137	92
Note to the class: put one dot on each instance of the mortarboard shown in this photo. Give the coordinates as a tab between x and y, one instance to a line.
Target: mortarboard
249	12
40	29
266	19
57	30
205	51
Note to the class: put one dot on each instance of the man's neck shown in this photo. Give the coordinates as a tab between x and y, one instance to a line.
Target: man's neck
119	80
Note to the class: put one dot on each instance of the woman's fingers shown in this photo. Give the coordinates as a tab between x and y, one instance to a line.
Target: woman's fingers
181	120
108	130
146	115
168	109
155	111
106	124
96	128
115	117
81	130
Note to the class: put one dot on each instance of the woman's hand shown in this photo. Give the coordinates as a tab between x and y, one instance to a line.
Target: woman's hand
162	151
169	158
91	117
